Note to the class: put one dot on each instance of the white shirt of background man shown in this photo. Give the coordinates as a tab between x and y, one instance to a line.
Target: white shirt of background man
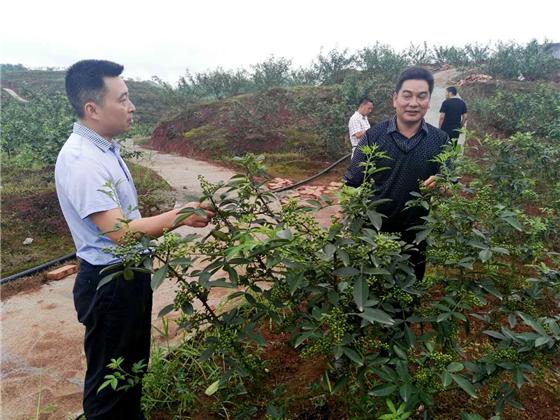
357	123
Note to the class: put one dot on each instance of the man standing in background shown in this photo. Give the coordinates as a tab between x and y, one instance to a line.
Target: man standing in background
410	144
359	123
452	114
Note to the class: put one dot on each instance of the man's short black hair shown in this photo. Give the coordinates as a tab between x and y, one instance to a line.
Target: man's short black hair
452	90
415	73
84	82
364	100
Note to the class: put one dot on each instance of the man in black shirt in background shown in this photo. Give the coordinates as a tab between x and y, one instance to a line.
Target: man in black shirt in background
410	144
452	114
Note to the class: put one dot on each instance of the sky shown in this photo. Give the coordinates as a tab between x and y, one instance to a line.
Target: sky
166	37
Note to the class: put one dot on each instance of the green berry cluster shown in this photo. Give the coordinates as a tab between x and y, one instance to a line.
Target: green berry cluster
440	360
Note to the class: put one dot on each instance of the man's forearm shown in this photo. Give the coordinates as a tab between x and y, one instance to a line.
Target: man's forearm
155	225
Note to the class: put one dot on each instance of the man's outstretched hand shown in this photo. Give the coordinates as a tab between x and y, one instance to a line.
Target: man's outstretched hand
195	220
430	182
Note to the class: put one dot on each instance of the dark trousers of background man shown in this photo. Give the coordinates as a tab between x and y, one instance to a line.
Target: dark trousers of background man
418	256
117	318
454	134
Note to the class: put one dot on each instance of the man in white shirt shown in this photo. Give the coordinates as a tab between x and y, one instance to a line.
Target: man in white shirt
359	123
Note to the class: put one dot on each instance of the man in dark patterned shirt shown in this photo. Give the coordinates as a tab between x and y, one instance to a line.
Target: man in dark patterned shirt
410	144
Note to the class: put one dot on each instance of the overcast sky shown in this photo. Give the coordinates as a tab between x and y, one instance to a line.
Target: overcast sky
165	37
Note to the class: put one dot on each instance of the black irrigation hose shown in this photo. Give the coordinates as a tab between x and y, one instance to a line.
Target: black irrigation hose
311	178
37	269
71	256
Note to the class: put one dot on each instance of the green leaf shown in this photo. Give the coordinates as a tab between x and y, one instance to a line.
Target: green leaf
187	308
532	323
375	218
294	281
405	391
343	255
485	255
222	236
353	355
158	277
464	384
211	390
471	416
383	390
541	340
285	234
455	367
399	352
166	309
302	337
250	299
329	250
513	222
200	212
361	292
107	279
446	379
444	316
377	315
346	271
257	338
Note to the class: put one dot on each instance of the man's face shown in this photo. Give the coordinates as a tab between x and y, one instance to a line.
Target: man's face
115	110
365	109
412	101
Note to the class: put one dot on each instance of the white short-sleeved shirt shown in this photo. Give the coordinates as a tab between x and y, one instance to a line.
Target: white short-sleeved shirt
357	123
84	165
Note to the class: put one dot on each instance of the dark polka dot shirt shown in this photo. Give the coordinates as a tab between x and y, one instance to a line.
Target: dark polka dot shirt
409	162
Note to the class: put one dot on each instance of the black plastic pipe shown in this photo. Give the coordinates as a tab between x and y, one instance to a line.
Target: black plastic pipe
311	178
37	269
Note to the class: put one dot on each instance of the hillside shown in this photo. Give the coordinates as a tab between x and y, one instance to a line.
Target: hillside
296	128
144	94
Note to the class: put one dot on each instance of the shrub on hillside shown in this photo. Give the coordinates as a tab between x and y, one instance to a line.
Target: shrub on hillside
535	111
530	61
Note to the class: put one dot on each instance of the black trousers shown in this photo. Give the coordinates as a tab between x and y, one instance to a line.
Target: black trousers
454	134
417	257
117	318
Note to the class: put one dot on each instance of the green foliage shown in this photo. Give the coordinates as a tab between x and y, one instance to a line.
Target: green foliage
331	68
531	61
274	72
450	55
33	132
349	294
381	59
508	111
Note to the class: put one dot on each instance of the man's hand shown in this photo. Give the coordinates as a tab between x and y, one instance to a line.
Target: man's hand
195	220
359	134
430	182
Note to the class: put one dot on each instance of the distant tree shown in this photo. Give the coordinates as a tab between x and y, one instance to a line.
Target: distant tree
332	67
380	60
273	72
12	67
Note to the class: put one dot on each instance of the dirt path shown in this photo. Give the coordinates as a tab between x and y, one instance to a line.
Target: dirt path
42	361
14	95
181	172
